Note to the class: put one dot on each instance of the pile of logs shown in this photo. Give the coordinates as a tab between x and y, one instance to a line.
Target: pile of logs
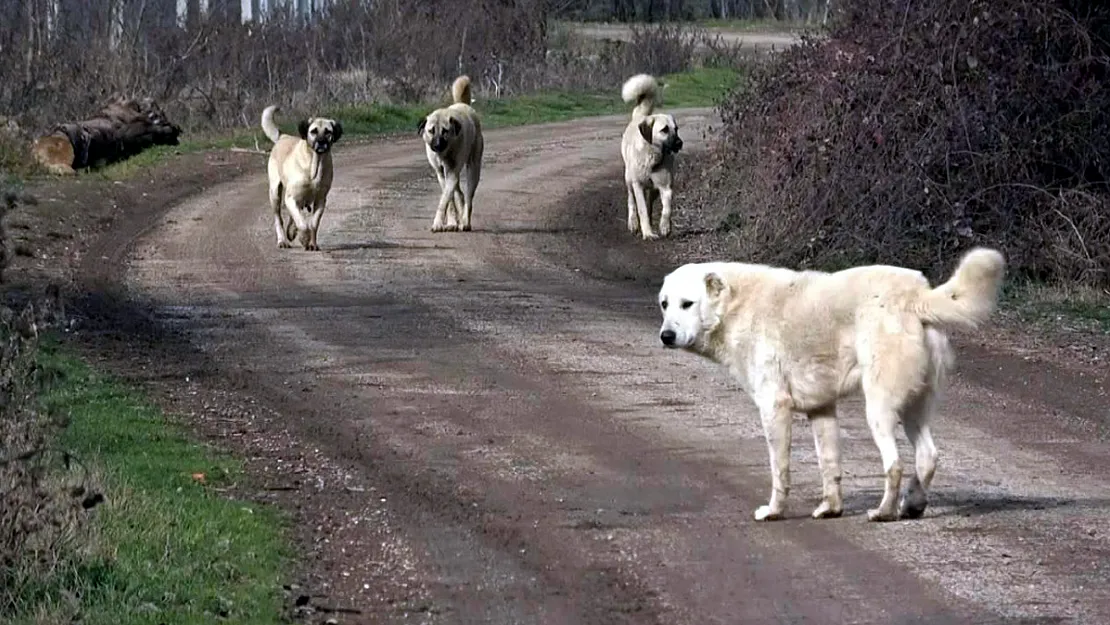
121	129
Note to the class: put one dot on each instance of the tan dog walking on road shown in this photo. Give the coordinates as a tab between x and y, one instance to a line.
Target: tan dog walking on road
648	147
300	172
453	144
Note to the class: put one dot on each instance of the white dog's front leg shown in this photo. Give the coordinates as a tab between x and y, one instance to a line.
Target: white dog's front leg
644	209
450	184
665	195
826	439
298	218
314	225
633	220
776	417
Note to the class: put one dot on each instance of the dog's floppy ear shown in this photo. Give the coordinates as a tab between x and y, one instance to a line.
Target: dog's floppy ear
302	128
645	130
456	126
420	128
714	285
336	131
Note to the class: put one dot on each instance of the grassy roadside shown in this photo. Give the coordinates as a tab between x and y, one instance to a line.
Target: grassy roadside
165	546
700	87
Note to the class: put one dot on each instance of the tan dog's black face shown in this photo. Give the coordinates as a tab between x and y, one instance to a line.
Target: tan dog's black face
439	130
661	131
320	133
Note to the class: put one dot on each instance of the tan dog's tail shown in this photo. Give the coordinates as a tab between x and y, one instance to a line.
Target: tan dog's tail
970	295
460	90
268	125
641	90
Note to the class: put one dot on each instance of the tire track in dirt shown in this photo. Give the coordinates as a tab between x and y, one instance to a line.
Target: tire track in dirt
543	460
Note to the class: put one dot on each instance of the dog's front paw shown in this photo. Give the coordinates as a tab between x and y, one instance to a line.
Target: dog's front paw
665	229
633	225
913	506
881	516
650	236
312	247
437	227
284	245
465	228
765	513
827	511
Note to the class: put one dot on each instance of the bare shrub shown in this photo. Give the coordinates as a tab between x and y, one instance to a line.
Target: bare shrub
918	129
41	504
219	72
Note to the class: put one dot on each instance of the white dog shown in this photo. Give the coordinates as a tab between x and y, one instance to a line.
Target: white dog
648	146
800	341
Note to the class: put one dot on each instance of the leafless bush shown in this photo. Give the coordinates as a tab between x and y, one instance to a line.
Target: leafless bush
220	72
921	128
40	508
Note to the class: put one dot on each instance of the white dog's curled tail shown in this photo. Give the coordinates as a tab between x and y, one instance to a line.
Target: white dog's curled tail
640	90
460	90
268	125
970	295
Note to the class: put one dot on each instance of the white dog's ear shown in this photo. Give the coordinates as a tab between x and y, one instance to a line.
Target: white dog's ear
420	128
714	285
645	130
456	126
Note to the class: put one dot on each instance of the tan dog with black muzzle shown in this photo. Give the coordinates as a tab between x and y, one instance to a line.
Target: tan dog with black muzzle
453	144
648	147
300	172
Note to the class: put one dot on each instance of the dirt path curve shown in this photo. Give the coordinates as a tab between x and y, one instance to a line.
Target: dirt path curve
759	40
516	448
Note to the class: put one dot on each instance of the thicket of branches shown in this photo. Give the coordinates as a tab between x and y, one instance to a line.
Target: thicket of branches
668	10
920	128
61	59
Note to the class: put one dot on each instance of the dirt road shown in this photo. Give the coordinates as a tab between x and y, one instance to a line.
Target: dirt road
508	443
746	39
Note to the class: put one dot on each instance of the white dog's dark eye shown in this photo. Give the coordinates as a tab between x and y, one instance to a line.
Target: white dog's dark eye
686	305
663	304
665	130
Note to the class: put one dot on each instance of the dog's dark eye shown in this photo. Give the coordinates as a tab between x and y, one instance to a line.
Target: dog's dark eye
686	305
665	130
663	304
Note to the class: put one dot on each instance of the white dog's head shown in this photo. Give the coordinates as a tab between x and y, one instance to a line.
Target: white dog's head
692	301
661	130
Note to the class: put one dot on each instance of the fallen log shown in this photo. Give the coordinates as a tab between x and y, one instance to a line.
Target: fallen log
122	128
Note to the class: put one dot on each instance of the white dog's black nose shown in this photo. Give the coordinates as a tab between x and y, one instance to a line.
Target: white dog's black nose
668	337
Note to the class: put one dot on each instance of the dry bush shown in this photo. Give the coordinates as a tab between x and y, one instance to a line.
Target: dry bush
219	72
41	507
918	129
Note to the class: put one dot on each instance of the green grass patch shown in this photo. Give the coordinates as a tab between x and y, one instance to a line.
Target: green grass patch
1060	307
165	547
699	87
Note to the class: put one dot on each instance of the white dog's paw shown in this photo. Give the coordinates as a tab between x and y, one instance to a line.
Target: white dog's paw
650	236
437	226
633	225
881	516
665	229
284	244
827	511
764	513
465	228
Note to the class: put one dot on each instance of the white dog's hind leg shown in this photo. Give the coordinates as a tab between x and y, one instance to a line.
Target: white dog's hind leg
633	220
826	439
644	209
882	419
776	417
665	216
915	421
473	176
279	223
